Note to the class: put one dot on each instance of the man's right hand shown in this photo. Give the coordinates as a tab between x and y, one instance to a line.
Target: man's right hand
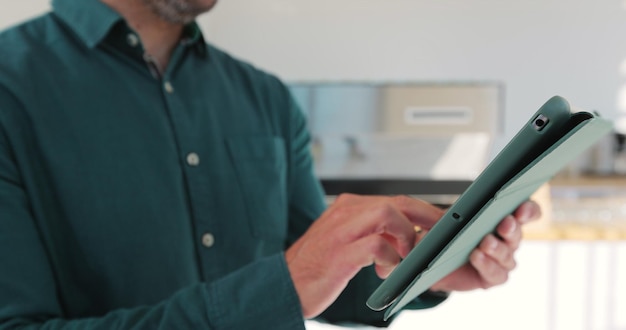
355	232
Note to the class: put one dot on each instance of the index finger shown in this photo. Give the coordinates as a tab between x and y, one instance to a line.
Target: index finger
395	216
419	212
377	218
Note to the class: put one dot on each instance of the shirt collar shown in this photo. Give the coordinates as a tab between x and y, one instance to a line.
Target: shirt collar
92	20
192	36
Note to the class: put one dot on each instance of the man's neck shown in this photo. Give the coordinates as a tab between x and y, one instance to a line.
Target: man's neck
159	37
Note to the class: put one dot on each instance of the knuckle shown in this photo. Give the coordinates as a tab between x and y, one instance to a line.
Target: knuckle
345	198
498	277
385	211
490	271
509	259
378	245
504	278
489	244
334	214
475	259
401	199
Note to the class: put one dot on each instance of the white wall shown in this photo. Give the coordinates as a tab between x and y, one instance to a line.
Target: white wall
538	48
14	12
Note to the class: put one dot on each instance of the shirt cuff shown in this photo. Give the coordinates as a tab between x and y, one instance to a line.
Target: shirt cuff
260	295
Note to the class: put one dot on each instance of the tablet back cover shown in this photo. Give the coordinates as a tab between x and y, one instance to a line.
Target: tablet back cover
517	190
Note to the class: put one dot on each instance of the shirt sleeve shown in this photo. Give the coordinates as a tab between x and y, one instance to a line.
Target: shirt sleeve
307	204
244	299
306	196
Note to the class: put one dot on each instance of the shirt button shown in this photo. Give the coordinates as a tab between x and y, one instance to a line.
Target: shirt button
193	159
168	87
132	40
208	240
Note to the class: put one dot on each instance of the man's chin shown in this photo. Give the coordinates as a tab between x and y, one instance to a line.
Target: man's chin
180	11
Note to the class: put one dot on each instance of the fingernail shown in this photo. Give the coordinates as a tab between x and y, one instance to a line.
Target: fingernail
512	227
492	244
527	214
479	256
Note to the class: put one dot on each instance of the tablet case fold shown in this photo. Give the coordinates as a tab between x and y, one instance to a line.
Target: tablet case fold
505	201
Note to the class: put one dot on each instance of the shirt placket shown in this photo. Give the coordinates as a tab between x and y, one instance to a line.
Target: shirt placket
198	196
194	169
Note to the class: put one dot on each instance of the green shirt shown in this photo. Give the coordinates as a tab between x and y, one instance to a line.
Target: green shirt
132	199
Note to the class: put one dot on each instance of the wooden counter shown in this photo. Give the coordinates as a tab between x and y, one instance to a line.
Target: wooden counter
564	201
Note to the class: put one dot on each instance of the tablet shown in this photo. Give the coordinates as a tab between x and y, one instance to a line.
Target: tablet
554	136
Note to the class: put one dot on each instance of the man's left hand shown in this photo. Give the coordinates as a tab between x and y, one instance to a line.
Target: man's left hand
492	261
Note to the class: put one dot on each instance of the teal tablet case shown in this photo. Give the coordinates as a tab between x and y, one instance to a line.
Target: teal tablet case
575	137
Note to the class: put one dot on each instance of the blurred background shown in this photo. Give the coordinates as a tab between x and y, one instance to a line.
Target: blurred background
416	96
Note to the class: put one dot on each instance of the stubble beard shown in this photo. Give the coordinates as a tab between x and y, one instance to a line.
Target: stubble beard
178	11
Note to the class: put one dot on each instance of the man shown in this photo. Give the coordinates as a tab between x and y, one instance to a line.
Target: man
149	180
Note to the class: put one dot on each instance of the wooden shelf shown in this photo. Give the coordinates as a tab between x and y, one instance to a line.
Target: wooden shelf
548	229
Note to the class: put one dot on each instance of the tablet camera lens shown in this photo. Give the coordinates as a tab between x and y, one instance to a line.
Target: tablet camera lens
540	122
